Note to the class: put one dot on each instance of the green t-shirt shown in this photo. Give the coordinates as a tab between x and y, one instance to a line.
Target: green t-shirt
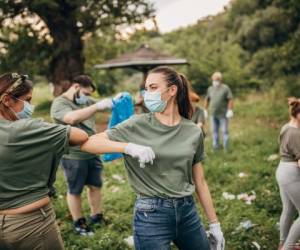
30	151
60	107
198	115
219	97
177	150
289	140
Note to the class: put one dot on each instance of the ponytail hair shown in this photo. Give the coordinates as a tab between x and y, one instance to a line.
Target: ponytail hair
182	98
294	106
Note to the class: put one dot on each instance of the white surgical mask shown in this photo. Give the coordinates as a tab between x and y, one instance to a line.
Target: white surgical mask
216	83
153	101
26	112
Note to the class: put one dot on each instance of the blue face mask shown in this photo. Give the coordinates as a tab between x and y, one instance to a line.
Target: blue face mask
82	100
153	101
27	111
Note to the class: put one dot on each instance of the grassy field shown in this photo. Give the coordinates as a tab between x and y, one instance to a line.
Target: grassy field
254	132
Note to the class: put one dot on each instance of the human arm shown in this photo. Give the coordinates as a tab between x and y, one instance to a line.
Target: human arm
205	199
100	144
77	136
203	193
80	115
230	104
77	116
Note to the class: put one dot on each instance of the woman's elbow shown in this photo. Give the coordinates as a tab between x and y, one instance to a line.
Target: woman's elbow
78	136
92	145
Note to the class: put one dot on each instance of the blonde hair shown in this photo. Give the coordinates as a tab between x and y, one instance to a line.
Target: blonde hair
217	76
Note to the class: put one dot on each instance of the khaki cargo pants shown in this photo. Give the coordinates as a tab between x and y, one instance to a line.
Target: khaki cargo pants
31	231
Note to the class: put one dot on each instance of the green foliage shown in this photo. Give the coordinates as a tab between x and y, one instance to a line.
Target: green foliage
256	44
62	26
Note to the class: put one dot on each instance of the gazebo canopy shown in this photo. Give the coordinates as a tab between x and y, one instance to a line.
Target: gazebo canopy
142	59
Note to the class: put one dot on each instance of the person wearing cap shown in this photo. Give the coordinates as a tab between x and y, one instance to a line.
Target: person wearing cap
76	107
30	151
219	101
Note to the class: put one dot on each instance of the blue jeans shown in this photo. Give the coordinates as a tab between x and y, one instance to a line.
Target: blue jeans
158	222
216	124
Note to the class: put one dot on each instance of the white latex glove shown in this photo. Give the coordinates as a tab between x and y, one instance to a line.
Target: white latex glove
205	114
118	96
216	238
144	154
104	104
229	113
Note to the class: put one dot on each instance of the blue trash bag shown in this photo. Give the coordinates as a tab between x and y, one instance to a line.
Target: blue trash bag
122	109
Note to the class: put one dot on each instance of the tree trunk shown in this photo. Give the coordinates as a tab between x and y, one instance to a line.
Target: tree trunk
67	59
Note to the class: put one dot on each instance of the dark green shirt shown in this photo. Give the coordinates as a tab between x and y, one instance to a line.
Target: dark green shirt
60	107
177	150
219	97
30	151
198	115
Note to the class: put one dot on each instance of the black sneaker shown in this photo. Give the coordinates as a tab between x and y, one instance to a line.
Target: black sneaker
97	220
82	228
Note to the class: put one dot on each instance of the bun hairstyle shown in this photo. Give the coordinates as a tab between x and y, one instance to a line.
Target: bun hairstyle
182	97
14	85
294	106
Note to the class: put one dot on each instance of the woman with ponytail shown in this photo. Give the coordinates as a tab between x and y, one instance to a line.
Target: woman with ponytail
288	178
168	168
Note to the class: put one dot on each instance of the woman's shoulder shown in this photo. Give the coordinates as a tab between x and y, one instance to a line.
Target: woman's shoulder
189	124
290	131
141	117
32	123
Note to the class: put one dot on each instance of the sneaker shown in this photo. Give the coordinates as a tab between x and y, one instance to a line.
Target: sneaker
82	228
97	220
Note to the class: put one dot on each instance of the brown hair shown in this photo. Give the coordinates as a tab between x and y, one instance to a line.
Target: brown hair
294	106
84	81
182	98
14	85
194	97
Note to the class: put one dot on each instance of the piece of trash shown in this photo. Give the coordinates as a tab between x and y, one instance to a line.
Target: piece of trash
228	196
247	224
115	189
242	175
118	178
273	157
247	198
256	245
60	196
267	191
129	241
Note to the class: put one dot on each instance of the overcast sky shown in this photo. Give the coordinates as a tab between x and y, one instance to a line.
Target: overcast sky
172	14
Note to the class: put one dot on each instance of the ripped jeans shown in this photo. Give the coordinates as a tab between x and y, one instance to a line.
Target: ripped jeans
158	222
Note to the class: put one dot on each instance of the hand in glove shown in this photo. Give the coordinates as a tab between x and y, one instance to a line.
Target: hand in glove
216	238
229	113
144	154
118	96
104	104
